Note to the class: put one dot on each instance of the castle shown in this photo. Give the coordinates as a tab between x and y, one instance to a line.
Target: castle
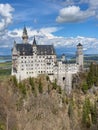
31	60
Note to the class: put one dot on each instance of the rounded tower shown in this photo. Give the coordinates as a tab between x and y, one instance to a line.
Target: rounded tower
79	56
25	35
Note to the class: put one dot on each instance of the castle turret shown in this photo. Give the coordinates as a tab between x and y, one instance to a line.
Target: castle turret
25	35
79	56
14	50
63	57
34	46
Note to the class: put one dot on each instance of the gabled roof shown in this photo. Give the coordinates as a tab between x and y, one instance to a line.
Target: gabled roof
24	49
27	49
45	50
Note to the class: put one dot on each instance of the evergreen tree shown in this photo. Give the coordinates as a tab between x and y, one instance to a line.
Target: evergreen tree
70	110
31	82
59	90
15	81
86	113
55	84
84	87
47	78
22	88
92	78
48	89
40	87
94	113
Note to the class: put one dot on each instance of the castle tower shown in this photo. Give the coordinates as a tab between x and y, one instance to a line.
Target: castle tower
63	58
34	46
79	56
25	35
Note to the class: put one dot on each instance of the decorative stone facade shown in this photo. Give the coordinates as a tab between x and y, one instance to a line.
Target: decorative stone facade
31	60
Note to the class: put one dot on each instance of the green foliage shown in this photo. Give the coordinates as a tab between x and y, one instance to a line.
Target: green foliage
48	89
84	87
71	107
47	78
15	82
31	82
92	78
70	110
55	84
94	113
40	88
4	72
59	90
19	103
22	88
86	119
2	126
89	115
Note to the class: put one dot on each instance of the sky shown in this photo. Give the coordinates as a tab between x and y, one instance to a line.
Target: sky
63	23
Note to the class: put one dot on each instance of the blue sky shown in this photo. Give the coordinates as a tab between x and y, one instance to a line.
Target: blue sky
63	23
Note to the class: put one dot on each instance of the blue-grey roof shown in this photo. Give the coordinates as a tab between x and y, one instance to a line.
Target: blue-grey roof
27	49
45	50
24	49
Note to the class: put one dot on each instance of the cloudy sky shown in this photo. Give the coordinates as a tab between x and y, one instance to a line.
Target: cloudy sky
63	23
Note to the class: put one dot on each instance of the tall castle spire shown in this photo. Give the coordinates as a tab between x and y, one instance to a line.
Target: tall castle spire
25	35
34	41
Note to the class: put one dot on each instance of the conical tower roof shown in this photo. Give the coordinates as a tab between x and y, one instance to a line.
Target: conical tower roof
25	35
25	31
79	44
34	42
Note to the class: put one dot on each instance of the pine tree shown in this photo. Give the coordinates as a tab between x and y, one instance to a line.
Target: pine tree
22	88
84	87
86	113
59	90
94	113
55	84
15	81
40	87
31	82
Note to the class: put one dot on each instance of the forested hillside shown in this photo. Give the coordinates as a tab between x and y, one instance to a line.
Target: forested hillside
39	104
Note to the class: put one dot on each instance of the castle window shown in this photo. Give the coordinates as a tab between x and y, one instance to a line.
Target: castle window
63	78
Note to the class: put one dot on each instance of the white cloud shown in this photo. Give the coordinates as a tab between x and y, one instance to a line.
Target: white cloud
93	4
46	32
45	36
73	11
5	16
73	14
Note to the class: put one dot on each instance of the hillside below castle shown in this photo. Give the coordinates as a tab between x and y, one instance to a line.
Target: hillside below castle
39	104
